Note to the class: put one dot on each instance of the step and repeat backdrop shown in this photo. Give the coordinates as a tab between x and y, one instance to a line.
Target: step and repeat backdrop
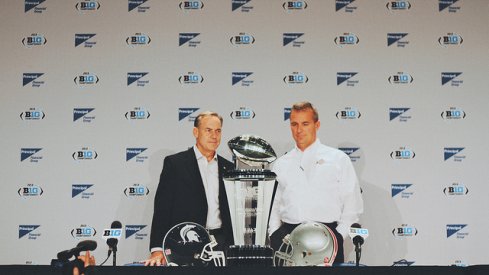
94	95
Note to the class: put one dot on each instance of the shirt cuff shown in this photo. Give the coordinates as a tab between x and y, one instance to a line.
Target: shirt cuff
154	249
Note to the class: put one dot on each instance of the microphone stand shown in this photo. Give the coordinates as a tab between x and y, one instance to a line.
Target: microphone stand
358	254
114	255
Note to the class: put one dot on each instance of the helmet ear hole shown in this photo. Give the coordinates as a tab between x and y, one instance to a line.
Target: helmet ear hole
309	244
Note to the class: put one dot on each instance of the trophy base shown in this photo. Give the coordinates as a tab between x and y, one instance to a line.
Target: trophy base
249	255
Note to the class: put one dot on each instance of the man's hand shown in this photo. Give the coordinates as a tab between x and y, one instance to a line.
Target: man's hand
156	258
87	261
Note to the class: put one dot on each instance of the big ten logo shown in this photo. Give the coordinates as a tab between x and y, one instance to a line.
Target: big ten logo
30	190
398	5
405	231
296	78
85	154
138	39
243	113
453	113
242	39
86	79
346	39
83	231
115	233
87	5
450	39
294	5
456	189
137	113
403	153
34	40
32	114
400	78
191	5
348	113
136	190
191	78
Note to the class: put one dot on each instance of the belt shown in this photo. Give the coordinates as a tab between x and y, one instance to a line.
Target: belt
331	225
214	232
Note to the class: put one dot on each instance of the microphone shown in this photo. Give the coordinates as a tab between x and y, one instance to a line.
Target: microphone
112	242
358	236
81	246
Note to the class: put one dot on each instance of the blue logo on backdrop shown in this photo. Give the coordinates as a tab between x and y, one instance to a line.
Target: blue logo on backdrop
136	77
138	39
30	190
350	151
401	78
450	39
80	190
32	114
243	4
456	189
136	190
348	113
34	4
186	112
83	231
137	113
32	78
453	113
453	152
132	4
191	78
294	38
82	38
346	38
87	5
443	4
449	77
403	262
401	188
31	154
191	5
398	5
403	153
136	231
82	113
241	77
287	113
243	113
346	76
454	229
34	40
27	230
294	5
399	113
184	38
396	38
346	4
242	39
86	79
405	231
84	154
136	154
296	78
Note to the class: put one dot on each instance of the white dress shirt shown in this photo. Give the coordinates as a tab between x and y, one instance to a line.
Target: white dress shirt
317	184
209	172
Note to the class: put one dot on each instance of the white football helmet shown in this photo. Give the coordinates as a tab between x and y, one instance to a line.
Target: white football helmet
309	244
189	244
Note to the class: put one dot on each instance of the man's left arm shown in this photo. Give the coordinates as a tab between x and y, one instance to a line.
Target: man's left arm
351	197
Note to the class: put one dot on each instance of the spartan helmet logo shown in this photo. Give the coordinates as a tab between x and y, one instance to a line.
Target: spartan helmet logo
189	235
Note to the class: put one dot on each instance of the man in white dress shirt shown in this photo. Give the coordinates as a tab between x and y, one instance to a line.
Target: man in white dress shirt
315	183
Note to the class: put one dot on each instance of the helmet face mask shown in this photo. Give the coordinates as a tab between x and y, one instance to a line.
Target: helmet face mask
309	244
189	244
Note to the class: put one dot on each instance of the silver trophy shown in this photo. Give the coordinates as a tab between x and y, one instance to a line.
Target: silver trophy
249	190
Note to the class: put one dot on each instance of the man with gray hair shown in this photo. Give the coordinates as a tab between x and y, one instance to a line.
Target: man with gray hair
315	183
191	189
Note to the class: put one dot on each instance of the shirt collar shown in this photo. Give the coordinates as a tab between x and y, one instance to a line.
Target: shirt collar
199	156
311	147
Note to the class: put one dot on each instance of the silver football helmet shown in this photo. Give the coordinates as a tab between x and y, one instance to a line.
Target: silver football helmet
309	244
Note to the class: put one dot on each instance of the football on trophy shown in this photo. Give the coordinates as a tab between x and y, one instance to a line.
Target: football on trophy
250	148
